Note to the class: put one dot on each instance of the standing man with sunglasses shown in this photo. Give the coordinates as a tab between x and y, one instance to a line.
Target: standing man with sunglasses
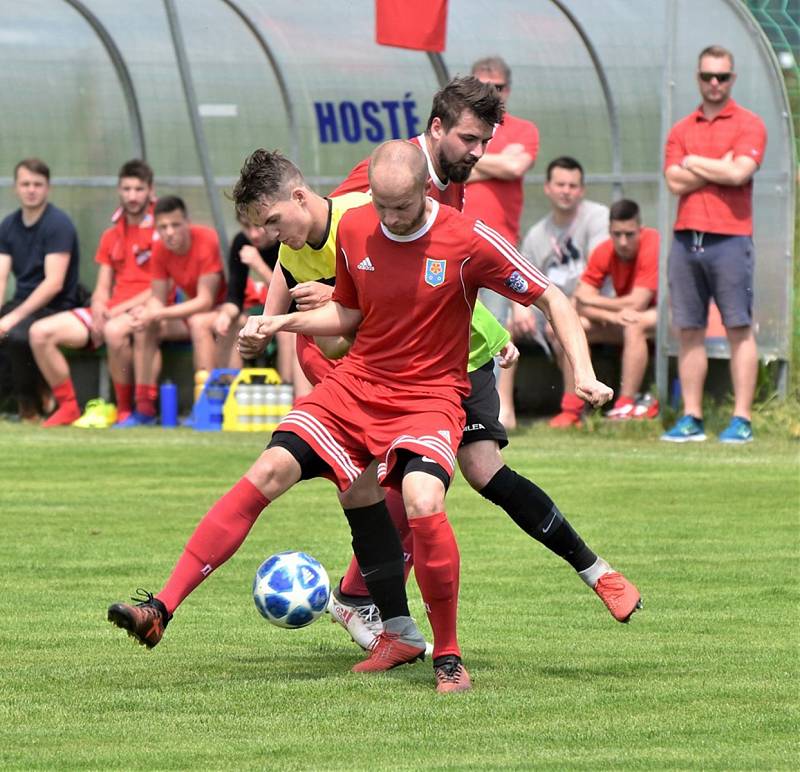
710	159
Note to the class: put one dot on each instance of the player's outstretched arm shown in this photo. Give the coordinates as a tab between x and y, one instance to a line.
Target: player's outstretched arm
330	319
568	328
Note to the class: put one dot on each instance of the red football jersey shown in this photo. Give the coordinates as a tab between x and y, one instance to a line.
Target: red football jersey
625	275
499	202
450	193
417	293
127	248
202	258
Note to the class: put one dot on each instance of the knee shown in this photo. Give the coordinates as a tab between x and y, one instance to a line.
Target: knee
40	335
200	324
423	502
274	472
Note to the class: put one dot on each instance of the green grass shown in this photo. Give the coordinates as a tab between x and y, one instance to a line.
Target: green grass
704	677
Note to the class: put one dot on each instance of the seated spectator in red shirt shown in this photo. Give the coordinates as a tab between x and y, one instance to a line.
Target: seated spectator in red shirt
250	250
630	259
122	287
185	257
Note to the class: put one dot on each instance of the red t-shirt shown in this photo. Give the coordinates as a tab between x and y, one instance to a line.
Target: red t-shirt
417	294
499	202
724	209
450	193
127	249
625	274
202	258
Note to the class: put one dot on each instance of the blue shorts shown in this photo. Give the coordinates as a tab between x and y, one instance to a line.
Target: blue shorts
706	265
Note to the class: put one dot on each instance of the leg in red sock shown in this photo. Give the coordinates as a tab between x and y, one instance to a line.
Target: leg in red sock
123	392
68	410
218	535
146	398
437	565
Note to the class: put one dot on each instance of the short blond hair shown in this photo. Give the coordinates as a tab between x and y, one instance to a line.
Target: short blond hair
718	52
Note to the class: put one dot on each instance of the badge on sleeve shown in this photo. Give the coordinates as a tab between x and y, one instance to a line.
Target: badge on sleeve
434	271
517	283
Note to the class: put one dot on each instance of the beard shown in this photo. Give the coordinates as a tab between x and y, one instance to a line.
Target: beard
455	171
134	210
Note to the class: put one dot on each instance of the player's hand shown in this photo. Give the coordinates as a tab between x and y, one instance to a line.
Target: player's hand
249	255
507	355
593	391
143	318
628	316
6	323
222	324
311	294
256	334
514	148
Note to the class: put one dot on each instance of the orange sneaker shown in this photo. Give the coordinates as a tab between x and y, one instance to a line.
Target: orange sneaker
565	419
145	621
451	675
389	651
619	595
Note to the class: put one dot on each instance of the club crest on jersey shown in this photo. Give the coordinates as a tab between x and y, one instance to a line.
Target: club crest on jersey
434	271
517	283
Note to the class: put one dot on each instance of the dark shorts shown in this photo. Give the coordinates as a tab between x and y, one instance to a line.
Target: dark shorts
482	407
705	266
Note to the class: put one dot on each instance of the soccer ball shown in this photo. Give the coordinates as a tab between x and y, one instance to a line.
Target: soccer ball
291	589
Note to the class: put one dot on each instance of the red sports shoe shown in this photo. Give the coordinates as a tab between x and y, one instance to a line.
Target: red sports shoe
64	416
387	652
646	408
565	419
145	621
451	675
619	595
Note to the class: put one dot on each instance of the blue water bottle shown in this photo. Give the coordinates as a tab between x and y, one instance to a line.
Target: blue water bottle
168	399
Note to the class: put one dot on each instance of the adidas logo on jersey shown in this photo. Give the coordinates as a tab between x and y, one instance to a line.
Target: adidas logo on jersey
366	265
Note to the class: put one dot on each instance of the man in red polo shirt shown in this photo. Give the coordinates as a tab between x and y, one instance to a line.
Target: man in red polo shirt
630	259
710	159
185	257
494	194
122	287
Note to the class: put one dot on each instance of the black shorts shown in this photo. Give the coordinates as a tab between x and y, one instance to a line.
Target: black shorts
482	407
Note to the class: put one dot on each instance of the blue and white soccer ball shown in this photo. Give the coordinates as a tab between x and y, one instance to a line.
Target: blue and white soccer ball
291	589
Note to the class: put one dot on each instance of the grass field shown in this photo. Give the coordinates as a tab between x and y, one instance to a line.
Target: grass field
706	676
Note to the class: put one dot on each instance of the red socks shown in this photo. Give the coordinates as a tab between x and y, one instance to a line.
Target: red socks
124	396
437	564
572	403
217	536
68	409
352	582
146	394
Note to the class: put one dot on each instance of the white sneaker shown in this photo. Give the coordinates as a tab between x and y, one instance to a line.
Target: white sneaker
362	622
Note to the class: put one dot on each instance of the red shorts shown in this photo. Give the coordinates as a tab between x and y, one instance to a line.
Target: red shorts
84	315
349	422
314	364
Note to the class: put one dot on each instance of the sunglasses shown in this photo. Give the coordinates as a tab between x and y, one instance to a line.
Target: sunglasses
722	77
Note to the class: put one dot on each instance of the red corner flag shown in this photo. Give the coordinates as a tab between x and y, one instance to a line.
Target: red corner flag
417	24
